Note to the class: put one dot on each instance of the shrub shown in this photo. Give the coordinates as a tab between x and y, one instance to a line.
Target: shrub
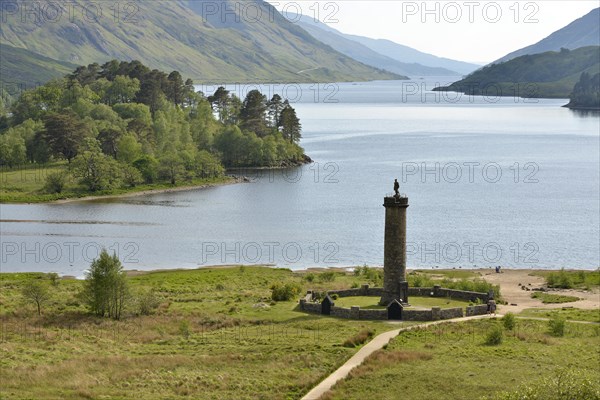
509	321
54	278
310	277
184	329
334	296
565	385
372	274
147	302
556	326
55	182
361	337
375	276
220	287
287	292
494	336
328	276
418	280
560	279
354	285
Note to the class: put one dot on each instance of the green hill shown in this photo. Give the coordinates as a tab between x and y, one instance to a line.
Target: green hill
183	36
582	32
546	75
24	68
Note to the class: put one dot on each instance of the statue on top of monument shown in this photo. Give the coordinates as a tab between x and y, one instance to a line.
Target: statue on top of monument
396	188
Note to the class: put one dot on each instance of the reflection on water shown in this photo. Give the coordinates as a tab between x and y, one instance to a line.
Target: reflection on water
586	113
138	201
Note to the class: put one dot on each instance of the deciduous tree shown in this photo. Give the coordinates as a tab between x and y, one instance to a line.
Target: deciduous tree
36	292
105	288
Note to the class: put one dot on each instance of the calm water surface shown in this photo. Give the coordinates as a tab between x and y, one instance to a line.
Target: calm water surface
490	182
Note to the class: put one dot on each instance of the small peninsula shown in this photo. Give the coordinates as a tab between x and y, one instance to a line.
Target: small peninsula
121	127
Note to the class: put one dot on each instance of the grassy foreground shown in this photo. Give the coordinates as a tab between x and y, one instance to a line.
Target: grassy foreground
452	361
215	335
26	185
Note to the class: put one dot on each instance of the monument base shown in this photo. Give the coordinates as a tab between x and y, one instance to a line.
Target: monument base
400	294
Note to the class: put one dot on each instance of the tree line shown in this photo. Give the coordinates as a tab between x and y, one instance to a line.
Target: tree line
122	124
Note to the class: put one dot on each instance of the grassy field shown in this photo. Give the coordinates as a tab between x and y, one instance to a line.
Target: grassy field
552	298
451	361
415	301
572	314
216	334
26	185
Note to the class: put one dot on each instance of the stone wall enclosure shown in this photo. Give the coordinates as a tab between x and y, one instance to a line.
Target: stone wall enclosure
307	304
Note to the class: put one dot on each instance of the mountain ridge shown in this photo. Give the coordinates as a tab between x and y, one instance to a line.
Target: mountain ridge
368	56
383	53
169	35
582	32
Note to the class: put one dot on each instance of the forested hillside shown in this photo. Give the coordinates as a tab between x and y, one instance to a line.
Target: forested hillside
547	75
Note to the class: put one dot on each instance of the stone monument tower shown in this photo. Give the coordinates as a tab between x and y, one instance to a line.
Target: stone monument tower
395	286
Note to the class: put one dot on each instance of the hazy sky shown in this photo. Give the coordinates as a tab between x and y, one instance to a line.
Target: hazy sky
477	31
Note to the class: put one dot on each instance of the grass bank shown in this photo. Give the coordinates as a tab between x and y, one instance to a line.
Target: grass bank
26	185
568	313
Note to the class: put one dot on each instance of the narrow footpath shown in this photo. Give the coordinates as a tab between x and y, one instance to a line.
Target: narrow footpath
377	343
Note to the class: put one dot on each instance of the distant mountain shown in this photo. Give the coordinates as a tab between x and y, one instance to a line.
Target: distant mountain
408	54
411	61
362	53
21	68
582	32
546	75
396	57
175	35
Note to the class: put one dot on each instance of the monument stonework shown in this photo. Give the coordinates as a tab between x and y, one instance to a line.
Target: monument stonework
395	286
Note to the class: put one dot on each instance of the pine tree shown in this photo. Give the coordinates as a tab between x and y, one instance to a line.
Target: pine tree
290	125
254	112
